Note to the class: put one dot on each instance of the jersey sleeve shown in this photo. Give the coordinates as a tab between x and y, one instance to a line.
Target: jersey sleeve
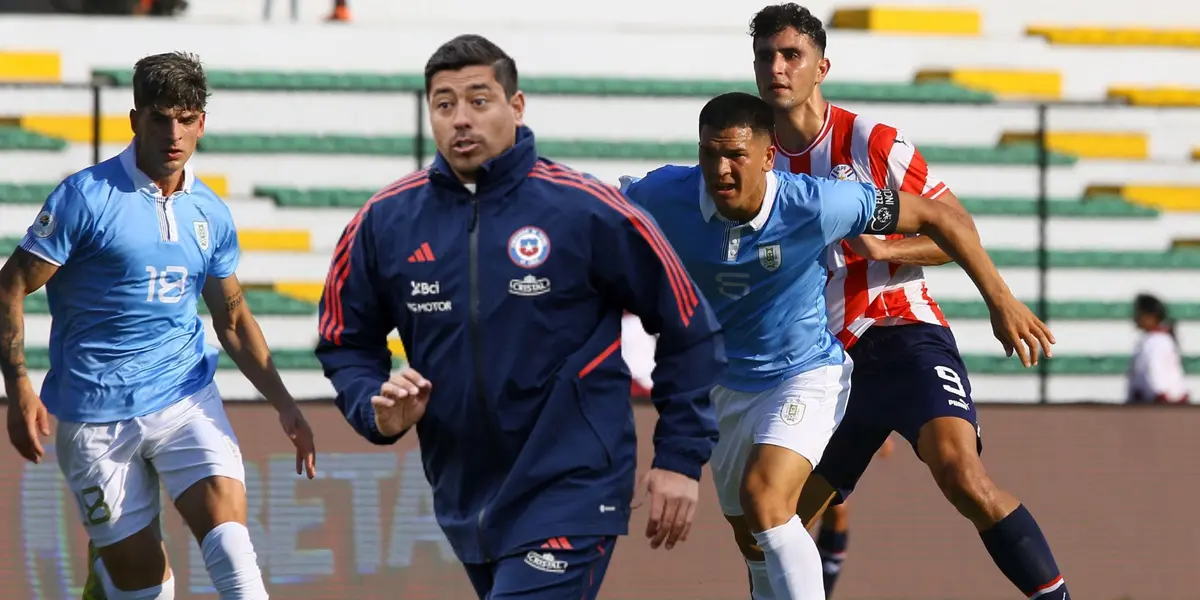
353	327
904	167
227	252
641	273
844	207
62	227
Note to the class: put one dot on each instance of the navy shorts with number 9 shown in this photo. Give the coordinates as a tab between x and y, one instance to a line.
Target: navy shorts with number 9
904	377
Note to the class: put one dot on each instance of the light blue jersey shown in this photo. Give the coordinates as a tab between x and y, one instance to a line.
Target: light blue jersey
125	336
766	278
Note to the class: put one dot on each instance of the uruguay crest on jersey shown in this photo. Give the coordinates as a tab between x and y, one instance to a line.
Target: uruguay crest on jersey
770	256
529	247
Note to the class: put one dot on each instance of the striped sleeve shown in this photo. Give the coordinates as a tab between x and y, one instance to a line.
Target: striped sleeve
896	162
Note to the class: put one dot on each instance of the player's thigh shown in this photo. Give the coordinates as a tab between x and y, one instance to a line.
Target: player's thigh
936	386
564	567
198	459
114	487
736	420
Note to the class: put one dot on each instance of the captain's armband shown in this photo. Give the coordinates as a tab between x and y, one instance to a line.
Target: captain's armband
886	216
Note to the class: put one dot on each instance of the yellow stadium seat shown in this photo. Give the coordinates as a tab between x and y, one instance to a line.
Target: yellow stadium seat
1007	83
1164	197
30	67
114	129
217	183
909	20
307	291
1089	144
275	240
1155	96
1116	36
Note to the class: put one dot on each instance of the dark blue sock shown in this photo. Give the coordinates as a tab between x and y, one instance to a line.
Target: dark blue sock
1020	551
832	546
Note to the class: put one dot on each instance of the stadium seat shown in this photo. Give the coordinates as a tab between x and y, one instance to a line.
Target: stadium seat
1116	36
938	92
25	193
1177	198
562	149
1070	311
1004	83
1093	207
909	20
1155	95
251	240
114	129
30	67
1088	144
14	138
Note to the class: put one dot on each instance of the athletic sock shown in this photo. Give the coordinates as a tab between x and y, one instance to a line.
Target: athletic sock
793	563
232	563
1020	552
760	581
832	546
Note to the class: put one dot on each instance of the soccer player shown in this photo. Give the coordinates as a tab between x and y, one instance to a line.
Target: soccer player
126	249
754	240
507	276
909	376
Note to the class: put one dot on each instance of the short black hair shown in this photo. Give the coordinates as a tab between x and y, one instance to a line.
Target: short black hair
738	109
170	81
1150	305
471	50
777	17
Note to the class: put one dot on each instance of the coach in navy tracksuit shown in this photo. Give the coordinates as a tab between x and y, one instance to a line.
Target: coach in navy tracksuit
507	276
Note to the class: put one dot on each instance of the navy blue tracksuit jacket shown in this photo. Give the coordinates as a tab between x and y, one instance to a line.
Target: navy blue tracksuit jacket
509	301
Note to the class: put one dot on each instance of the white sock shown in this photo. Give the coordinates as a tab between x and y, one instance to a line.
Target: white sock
760	581
165	591
232	564
793	561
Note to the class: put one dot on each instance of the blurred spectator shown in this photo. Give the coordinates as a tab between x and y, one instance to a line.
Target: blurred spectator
341	12
1156	373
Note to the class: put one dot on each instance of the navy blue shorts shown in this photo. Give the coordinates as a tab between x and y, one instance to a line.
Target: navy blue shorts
904	377
549	570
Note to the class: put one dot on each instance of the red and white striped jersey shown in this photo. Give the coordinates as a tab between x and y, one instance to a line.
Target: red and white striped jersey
861	292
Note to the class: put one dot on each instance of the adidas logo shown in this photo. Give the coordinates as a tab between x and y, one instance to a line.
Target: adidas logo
423	254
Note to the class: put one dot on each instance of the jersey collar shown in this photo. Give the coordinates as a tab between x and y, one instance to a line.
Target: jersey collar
143	181
708	208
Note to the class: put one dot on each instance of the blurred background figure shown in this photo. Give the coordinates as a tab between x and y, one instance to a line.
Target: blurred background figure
1156	371
341	12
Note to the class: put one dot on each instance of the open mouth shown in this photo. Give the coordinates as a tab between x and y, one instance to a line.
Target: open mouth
465	146
724	189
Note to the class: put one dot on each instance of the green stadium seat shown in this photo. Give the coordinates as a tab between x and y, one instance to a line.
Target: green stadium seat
264	302
1069	311
38	359
25	193
1089	208
1062	365
932	92
562	149
1100	259
14	138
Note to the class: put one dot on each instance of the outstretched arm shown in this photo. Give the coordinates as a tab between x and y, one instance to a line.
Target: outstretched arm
918	250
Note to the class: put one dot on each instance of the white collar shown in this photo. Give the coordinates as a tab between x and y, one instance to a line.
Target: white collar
708	208
143	182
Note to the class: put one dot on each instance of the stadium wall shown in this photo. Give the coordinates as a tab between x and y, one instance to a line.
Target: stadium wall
1102	481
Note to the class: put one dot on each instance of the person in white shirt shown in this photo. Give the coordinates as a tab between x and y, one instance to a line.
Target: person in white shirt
1156	371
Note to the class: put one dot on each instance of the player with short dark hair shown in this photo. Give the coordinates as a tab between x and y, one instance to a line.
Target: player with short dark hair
755	242
909	376
126	249
507	276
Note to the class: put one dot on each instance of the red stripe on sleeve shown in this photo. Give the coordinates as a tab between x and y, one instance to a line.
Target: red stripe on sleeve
333	323
879	145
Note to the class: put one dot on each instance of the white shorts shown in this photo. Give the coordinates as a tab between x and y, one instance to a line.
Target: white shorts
113	469
799	414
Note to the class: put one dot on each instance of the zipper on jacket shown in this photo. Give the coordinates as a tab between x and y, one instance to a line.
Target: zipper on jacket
476	342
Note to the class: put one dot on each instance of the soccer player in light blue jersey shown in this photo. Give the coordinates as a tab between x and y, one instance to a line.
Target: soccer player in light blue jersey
754	241
126	249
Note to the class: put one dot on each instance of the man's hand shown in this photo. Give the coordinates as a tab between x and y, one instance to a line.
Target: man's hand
297	430
672	506
401	402
27	417
870	247
1019	329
